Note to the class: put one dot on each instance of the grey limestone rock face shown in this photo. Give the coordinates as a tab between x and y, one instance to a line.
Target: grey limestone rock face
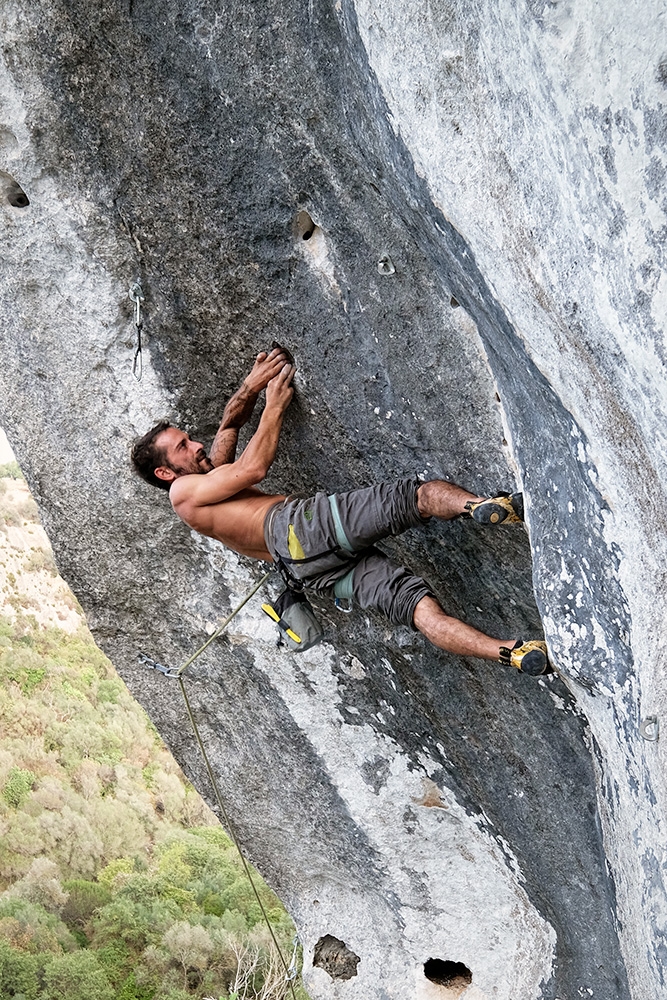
508	158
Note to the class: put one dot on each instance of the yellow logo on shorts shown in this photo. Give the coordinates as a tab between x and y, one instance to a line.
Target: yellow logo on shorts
294	546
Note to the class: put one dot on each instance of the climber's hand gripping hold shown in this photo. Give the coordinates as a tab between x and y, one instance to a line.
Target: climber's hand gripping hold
239	408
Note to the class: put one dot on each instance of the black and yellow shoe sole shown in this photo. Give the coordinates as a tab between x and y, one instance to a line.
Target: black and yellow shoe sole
528	657
503	509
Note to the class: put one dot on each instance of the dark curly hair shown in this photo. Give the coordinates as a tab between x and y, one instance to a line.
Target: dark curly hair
146	456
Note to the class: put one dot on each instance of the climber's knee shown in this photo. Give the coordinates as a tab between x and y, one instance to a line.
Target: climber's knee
379	583
428	614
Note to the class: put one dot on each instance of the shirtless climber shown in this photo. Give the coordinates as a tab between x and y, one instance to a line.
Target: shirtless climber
320	539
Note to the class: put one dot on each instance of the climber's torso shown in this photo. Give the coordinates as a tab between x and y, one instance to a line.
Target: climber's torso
237	522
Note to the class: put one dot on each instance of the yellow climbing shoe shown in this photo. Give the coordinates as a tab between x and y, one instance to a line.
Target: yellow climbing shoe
529	657
505	508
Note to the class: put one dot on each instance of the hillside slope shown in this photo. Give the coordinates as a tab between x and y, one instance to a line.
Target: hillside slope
116	881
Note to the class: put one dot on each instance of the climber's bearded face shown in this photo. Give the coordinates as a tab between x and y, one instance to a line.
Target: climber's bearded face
182	456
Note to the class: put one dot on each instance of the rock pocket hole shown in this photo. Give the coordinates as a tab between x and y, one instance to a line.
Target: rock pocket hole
11	191
19	199
311	243
454	975
335	957
305	227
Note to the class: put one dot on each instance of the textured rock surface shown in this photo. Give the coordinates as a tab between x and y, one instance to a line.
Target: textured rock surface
511	156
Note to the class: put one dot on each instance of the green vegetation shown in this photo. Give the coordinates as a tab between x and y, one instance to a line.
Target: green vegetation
17	786
10	470
116	882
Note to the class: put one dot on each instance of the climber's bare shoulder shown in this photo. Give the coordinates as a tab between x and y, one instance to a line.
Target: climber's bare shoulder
236	520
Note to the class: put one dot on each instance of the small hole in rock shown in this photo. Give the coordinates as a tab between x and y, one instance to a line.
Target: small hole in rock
445	973
454	303
305	227
19	200
335	957
12	192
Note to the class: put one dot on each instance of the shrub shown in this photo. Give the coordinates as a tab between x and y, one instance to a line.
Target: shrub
77	976
21	843
136	924
27	510
117	961
10	470
119	866
27	678
18	786
84	899
109	690
190	946
30	927
130	990
19	973
38	560
8	515
41	884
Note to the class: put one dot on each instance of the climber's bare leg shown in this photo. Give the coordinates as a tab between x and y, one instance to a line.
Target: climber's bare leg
453	635
443	500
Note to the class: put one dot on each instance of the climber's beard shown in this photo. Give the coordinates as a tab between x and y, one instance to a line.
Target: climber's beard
198	464
204	462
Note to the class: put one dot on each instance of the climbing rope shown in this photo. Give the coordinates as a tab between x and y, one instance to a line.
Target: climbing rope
176	672
291	969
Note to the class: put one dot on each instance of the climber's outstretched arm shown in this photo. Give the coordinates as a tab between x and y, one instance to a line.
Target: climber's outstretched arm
239	408
192	491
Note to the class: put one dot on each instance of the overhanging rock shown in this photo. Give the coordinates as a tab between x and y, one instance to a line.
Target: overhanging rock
419	812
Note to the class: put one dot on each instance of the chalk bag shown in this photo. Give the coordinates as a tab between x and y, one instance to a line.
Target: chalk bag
298	627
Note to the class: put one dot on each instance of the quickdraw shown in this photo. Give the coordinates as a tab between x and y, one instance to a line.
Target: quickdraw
137	296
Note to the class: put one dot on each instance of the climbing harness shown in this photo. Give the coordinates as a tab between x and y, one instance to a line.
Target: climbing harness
297	623
137	296
342	549
177	673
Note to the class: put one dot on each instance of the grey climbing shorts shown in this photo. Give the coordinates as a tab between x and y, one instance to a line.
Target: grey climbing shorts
307	536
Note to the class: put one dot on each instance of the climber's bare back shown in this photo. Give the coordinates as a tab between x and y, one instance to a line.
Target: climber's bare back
237	522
